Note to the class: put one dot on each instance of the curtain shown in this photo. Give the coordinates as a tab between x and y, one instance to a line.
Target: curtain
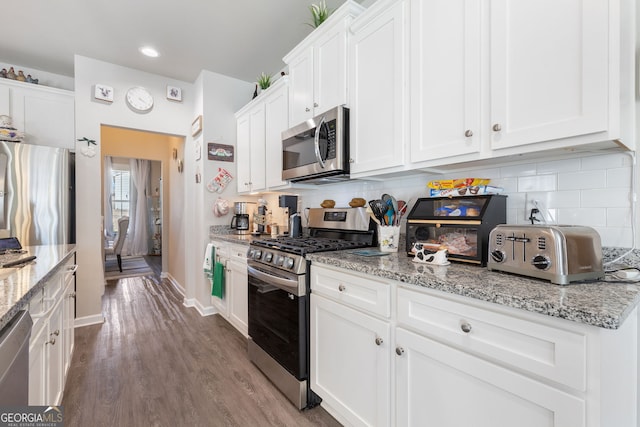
138	223
108	195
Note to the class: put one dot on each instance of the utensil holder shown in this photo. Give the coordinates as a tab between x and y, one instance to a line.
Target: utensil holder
388	238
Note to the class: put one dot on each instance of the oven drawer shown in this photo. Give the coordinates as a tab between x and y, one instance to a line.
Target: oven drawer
556	354
365	293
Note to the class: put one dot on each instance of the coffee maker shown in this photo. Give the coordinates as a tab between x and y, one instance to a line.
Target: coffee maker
290	203
240	221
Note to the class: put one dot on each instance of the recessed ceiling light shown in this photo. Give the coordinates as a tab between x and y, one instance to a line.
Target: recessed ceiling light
149	51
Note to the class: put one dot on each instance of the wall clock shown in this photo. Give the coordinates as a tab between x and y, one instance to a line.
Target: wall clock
139	99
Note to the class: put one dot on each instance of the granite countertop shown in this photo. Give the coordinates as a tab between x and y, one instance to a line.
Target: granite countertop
18	285
600	304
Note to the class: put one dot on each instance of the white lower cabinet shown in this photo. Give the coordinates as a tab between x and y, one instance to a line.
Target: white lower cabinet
51	343
438	359
445	387
234	304
350	366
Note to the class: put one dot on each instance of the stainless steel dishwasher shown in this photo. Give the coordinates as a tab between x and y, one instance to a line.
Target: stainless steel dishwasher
14	360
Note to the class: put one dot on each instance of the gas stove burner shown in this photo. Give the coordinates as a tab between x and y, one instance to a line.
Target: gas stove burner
306	245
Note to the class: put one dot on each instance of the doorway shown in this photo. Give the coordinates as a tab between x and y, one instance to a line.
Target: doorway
163	151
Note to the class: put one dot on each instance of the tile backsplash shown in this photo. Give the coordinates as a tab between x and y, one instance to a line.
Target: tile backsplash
593	189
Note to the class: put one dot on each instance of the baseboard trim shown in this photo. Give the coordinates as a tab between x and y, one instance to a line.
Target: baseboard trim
174	283
96	319
204	311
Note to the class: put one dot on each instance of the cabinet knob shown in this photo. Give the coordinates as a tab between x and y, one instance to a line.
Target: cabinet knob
72	295
399	351
52	341
56	332
468	133
307	109
497	127
341	288
351	160
466	328
379	341
315	105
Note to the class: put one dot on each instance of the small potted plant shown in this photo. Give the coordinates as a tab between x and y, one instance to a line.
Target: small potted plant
319	13
264	81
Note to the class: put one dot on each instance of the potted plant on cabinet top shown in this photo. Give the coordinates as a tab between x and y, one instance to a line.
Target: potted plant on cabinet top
264	81
319	13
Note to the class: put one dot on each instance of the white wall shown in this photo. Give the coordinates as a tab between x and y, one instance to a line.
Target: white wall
166	117
219	97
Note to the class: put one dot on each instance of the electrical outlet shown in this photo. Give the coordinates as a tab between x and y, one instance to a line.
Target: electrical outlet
539	202
530	201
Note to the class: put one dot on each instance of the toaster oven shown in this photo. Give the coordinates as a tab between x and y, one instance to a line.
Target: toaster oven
459	224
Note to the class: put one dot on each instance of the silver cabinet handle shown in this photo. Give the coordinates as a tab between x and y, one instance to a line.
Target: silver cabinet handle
307	109
468	133
379	341
315	105
399	351
72	295
52	341
56	332
351	160
497	127
341	288
466	328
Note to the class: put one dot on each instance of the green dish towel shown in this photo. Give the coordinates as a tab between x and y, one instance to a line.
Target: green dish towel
217	288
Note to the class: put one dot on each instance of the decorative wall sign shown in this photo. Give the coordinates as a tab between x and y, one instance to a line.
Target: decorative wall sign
220	152
196	126
103	93
174	93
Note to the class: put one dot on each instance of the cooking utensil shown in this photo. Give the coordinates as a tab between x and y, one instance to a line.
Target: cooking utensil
379	208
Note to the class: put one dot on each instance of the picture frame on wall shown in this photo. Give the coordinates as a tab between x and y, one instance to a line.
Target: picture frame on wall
103	92
220	152
174	93
196	126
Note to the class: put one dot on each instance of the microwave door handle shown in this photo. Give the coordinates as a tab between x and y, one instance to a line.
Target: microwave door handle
316	143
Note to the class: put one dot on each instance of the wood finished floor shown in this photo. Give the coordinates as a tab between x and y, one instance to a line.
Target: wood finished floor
155	362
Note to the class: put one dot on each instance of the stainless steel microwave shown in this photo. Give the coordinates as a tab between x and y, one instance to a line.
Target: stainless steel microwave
317	151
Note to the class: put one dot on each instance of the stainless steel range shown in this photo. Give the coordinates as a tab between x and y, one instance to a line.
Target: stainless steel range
279	295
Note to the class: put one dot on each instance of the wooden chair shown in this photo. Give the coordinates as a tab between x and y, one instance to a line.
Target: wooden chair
118	243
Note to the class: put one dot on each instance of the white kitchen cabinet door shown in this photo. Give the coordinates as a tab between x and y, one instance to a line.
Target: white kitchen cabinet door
45	115
68	308
276	121
330	71
238	295
38	364
301	87
350	363
550	69
445	78
378	91
55	355
222	256
445	387
250	147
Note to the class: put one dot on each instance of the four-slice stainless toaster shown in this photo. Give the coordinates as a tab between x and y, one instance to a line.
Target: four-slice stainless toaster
559	253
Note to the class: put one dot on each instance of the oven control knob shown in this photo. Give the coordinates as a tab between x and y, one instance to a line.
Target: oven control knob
257	254
497	256
288	262
268	256
278	260
541	262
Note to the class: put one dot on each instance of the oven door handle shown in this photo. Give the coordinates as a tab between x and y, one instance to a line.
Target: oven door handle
289	285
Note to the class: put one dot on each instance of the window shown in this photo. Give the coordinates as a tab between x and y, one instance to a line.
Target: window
120	198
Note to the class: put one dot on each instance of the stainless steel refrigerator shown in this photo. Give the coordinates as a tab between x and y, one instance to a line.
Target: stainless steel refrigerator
37	194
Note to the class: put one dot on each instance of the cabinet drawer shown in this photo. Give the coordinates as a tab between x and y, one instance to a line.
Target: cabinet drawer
365	293
238	253
553	353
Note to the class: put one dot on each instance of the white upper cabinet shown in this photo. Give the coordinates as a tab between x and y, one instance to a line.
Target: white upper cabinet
554	70
46	115
445	78
259	128
378	89
318	66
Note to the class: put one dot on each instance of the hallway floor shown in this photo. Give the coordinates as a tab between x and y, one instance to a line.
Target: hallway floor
155	362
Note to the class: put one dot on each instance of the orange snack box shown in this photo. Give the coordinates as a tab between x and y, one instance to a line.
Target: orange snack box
447	184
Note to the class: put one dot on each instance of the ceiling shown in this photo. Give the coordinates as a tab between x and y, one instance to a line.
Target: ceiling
237	38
